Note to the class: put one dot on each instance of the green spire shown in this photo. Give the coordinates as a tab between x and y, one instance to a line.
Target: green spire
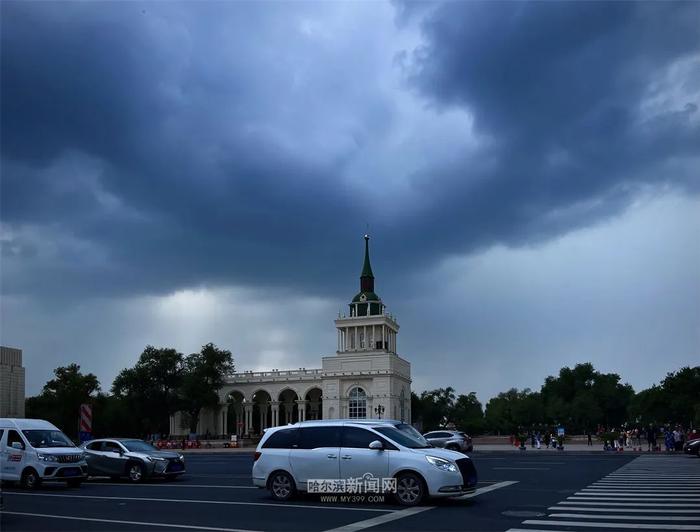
366	267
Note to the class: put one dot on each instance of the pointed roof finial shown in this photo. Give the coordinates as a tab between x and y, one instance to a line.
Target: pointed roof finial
366	267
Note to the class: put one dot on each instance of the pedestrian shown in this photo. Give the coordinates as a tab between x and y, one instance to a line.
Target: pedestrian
537	439
590	438
668	440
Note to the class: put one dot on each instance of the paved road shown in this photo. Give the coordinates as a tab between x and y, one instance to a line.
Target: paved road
528	491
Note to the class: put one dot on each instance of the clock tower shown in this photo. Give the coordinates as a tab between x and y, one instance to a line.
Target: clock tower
366	378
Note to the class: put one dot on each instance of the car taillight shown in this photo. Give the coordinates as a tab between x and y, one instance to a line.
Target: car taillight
257	455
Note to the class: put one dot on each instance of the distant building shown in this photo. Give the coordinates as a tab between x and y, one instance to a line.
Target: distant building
11	382
365	378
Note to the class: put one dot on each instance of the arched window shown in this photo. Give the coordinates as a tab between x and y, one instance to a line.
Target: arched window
357	406
402	406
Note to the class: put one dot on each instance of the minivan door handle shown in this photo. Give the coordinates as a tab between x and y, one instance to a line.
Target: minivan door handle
332	456
346	457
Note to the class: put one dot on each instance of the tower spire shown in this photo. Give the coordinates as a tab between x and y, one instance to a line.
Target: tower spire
367	267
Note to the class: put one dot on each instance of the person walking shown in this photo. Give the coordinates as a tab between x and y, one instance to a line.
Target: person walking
590	438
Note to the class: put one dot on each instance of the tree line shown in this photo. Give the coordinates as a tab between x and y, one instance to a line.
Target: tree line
163	381
581	399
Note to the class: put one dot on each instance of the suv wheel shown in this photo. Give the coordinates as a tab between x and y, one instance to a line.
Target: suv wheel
135	472
30	479
282	486
410	489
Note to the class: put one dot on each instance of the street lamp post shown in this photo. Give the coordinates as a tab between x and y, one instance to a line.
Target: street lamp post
379	410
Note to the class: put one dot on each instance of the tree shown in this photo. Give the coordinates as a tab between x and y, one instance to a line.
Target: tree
582	398
150	388
468	415
203	376
61	397
435	408
511	411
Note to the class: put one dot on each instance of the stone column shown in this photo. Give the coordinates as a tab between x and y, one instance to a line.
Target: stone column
301	405
248	408
383	337
275	407
224	419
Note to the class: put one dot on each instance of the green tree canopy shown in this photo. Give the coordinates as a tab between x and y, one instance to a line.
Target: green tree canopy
61	397
150	388
203	375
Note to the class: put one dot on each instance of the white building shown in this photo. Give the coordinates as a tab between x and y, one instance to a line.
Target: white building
365	378
11	382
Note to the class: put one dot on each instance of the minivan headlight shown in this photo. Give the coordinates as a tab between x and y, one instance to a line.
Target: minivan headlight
47	457
441	463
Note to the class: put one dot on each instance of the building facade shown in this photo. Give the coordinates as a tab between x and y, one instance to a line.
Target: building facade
365	378
11	382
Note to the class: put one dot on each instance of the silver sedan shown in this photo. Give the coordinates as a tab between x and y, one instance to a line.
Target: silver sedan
450	439
134	459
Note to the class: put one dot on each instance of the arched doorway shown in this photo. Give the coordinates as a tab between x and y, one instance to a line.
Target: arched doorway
314	404
289	410
262	417
234	417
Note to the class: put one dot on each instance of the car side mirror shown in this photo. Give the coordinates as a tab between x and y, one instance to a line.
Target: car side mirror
17	445
376	445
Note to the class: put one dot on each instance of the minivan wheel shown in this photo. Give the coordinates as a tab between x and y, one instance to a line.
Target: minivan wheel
135	472
410	489
30	479
282	486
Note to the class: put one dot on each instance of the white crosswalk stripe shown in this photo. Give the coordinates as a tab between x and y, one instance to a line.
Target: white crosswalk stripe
648	493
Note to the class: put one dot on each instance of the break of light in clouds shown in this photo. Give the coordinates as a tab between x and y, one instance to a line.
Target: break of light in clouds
179	173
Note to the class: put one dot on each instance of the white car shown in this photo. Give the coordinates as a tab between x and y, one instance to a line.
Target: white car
33	451
296	457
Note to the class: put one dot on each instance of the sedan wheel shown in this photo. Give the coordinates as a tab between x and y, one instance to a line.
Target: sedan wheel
282	486
409	489
135	472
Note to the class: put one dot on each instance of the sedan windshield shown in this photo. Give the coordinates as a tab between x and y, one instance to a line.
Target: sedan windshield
47	438
139	446
403	434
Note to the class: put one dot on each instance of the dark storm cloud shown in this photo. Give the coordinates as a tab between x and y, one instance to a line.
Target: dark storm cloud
556	90
152	146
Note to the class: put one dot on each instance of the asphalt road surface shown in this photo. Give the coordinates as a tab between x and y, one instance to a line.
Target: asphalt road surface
516	492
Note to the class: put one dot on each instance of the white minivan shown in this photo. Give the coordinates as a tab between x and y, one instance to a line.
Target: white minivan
341	456
33	451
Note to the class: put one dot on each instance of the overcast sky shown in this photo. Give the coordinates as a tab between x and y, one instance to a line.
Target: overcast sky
180	173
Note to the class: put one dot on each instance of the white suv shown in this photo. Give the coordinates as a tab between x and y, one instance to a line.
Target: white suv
289	457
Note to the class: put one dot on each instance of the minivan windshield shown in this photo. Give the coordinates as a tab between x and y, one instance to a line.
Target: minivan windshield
403	434
47	438
139	446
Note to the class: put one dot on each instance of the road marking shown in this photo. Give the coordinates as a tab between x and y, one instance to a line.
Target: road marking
561	507
626	517
200	501
646	526
120	522
651	499
380	520
644	504
523	468
533	530
180	485
486	489
648	493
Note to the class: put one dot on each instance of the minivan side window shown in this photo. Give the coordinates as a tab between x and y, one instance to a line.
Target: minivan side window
361	438
283	439
315	437
2	431
13	436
